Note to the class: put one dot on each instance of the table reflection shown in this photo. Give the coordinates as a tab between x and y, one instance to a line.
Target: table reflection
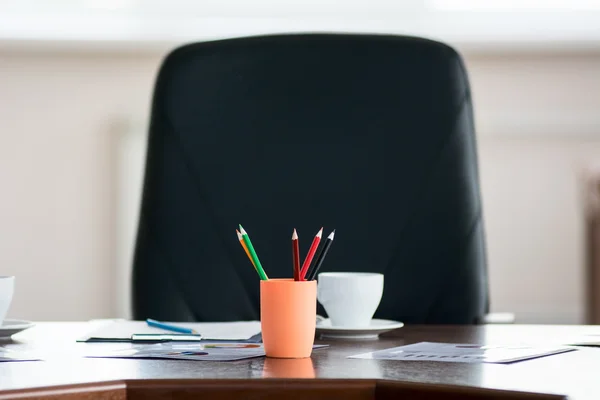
288	368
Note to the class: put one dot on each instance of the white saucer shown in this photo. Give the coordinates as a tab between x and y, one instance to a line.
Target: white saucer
376	327
11	326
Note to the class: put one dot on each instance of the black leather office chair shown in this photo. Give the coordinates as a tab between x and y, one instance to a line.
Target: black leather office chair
370	135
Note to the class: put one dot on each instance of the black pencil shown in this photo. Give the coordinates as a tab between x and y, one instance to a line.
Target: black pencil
321	257
315	259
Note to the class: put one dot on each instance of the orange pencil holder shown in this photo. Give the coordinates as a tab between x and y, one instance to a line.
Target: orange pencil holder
288	314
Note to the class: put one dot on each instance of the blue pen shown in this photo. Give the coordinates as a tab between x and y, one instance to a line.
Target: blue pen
168	327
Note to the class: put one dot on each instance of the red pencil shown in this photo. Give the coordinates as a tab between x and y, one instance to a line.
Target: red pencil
296	256
310	255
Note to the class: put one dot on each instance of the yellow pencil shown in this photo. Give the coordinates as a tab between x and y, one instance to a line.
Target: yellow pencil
245	247
250	249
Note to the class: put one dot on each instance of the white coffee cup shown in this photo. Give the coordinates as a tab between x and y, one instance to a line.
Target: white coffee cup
7	287
350	298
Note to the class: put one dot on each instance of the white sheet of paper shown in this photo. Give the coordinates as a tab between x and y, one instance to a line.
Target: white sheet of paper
7	355
462	352
586	340
122	329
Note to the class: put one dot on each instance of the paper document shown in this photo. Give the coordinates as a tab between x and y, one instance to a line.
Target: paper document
121	330
468	353
195	352
15	355
589	340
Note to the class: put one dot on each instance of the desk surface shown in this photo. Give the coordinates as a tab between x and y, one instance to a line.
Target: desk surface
575	374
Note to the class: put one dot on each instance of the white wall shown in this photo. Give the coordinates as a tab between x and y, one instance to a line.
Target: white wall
539	131
59	115
68	123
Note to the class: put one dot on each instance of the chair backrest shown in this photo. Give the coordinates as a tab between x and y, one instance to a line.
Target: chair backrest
370	135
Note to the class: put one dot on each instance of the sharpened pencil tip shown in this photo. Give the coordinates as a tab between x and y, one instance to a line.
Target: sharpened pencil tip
242	230
239	235
294	235
331	235
320	232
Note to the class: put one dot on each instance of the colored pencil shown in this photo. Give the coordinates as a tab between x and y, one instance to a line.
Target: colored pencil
316	258
259	268
169	327
311	253
245	248
321	257
296	255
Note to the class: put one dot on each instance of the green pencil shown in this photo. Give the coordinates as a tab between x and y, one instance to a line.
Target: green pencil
259	268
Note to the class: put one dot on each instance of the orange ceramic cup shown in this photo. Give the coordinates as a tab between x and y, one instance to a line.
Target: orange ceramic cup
288	314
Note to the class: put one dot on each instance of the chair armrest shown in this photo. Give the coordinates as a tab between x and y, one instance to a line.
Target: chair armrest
498	318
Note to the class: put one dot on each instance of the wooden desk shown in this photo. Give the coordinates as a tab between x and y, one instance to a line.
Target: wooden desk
327	374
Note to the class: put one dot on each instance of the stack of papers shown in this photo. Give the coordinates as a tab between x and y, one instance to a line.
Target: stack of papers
122	331
195	352
207	352
466	353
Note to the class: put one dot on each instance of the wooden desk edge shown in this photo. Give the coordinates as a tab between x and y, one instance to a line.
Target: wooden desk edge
184	389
